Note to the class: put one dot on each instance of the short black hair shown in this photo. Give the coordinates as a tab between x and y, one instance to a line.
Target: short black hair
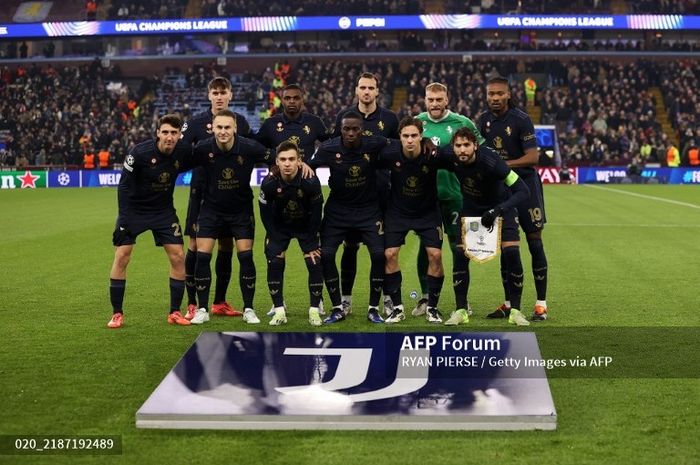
352	115
171	119
465	133
411	121
498	80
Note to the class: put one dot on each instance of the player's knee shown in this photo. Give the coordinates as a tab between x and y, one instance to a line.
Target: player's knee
534	237
122	256
434	255
391	254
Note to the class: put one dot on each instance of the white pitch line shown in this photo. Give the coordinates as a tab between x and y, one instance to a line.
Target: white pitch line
650	197
618	225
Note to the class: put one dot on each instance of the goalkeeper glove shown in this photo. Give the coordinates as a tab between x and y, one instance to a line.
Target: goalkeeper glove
488	218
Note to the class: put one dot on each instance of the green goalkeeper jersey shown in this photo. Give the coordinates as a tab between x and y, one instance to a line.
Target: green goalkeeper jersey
440	132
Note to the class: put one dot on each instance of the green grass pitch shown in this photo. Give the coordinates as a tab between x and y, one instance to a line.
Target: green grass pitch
624	276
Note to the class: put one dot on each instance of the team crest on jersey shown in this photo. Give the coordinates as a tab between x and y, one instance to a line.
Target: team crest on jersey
425	169
509	131
227	173
292	205
449	129
412	181
380	125
307	129
498	142
366	157
280	127
239	159
469	182
300	193
354	171
435	140
209	130
177	165
367	132
164	178
294	139
184	127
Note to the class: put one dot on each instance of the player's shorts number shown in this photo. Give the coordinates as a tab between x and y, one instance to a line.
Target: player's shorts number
535	214
176	230
380	227
455	217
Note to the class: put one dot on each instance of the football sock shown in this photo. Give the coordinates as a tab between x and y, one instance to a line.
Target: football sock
460	280
275	280
177	290
435	287
330	275
376	277
348	268
315	281
504	275
422	269
222	266
515	275
392	287
539	267
202	279
116	294
190	263
247	278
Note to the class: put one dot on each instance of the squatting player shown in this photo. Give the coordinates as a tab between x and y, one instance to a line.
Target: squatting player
511	133
198	128
439	125
352	208
291	207
145	196
483	178
412	206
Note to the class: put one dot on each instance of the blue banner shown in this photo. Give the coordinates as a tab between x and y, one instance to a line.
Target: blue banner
337	23
664	175
64	179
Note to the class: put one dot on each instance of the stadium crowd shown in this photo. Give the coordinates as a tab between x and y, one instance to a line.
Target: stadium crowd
679	86
604	111
56	115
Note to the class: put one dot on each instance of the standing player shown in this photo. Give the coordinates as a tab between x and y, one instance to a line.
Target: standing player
440	125
412	205
376	121
293	125
198	128
352	208
290	207
511	133
482	177
145	197
227	207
